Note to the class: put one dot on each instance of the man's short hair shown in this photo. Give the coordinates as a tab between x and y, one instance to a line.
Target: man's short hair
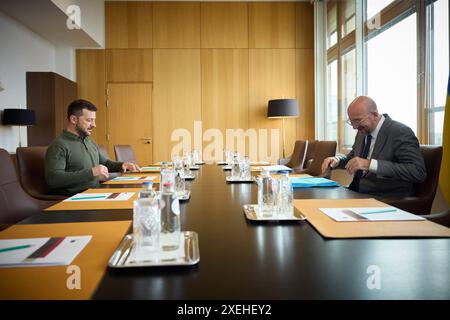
77	106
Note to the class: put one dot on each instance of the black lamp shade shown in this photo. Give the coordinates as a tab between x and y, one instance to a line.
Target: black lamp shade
19	117
283	108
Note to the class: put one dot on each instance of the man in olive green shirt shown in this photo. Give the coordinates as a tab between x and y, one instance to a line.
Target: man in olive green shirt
73	162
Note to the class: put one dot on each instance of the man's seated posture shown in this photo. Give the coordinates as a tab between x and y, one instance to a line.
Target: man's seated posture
73	162
385	159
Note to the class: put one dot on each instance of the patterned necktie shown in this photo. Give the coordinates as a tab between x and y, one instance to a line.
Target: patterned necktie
365	152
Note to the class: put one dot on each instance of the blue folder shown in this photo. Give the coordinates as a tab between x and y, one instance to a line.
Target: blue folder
313	182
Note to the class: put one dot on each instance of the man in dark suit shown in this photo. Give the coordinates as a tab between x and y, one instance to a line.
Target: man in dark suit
385	159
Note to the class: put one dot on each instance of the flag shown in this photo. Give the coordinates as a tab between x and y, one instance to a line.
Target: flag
444	178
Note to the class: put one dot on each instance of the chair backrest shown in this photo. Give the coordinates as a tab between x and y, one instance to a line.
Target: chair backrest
15	204
309	154
124	153
31	163
426	191
298	156
322	150
102	149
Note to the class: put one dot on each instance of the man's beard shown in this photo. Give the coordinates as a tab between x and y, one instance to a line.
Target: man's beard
81	132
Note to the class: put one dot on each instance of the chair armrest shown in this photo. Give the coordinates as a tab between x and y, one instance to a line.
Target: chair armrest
442	218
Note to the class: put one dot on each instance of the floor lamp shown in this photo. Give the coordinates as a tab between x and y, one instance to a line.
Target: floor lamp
19	117
282	109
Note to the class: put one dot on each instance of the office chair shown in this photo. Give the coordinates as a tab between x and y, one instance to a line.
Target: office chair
31	165
124	153
296	160
425	192
15	203
322	150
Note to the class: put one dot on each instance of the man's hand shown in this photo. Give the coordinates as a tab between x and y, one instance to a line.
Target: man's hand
129	166
100	171
327	162
356	164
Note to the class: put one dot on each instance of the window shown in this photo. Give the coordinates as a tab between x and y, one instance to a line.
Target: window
438	66
375	6
332	101
349	94
392	71
395	51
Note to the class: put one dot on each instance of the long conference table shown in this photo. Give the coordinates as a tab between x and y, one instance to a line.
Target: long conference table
241	259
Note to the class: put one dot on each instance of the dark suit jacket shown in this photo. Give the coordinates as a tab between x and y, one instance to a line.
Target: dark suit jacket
400	162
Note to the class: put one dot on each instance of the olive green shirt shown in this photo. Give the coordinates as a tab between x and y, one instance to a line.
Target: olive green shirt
69	162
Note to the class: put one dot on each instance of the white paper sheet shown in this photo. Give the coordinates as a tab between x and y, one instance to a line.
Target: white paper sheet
63	254
134	178
370	214
123	196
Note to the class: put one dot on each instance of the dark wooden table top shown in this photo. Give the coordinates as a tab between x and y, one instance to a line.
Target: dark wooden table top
246	260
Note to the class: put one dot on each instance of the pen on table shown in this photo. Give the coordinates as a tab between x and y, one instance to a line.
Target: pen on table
378	211
16	248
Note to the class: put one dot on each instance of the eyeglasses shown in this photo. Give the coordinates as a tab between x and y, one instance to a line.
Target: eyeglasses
357	122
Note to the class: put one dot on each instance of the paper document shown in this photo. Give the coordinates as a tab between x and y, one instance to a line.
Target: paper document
117	196
150	169
133	178
275	168
310	182
41	251
370	214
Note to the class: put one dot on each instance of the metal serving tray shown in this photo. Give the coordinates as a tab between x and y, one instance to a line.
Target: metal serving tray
194	167
250	214
221	163
199	163
190	177
227	167
119	259
239	180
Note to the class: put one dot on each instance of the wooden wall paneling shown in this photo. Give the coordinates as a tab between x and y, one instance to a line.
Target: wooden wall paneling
304	21
272	25
91	86
128	24
224	25
129	65
305	93
176	24
177	97
272	76
225	89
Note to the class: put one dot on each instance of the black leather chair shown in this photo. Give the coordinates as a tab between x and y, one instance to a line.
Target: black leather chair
15	203
425	192
31	164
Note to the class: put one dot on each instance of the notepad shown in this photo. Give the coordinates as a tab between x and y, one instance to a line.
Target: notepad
311	182
134	178
370	214
117	196
39	252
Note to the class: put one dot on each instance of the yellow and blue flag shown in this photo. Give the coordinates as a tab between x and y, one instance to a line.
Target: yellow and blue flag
444	178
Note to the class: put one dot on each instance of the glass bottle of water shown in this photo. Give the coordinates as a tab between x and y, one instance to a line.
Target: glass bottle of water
245	168
147	191
167	180
235	169
267	192
170	221
286	195
180	185
146	227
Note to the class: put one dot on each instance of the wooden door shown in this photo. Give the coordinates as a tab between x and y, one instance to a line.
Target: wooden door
129	109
